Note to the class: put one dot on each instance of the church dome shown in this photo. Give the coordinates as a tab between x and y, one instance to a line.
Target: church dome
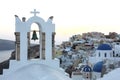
87	69
98	67
37	72
104	47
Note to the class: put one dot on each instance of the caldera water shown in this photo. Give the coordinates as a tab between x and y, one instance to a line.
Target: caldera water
4	55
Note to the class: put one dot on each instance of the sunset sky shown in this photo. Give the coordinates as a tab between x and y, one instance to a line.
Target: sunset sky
70	16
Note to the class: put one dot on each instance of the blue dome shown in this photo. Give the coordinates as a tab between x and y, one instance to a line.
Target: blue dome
98	67
87	69
104	47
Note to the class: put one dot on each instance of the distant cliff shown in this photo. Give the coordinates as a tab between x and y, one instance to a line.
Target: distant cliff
6	44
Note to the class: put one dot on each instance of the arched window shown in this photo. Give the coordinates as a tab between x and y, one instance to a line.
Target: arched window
105	55
34	45
99	54
113	53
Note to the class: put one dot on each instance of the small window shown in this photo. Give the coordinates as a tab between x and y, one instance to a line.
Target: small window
117	55
87	76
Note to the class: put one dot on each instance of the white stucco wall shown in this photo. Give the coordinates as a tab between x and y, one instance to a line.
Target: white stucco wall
96	75
102	53
117	49
33	70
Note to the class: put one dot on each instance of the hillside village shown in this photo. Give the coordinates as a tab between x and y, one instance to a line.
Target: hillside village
90	56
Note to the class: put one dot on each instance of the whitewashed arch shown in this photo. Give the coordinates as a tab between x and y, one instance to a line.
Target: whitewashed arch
41	25
39	21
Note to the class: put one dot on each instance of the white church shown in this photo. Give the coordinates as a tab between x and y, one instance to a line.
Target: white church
106	52
41	68
97	65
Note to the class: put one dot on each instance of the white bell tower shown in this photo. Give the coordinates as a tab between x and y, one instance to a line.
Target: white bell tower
22	66
47	31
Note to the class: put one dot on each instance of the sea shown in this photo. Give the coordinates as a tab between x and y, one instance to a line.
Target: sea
4	55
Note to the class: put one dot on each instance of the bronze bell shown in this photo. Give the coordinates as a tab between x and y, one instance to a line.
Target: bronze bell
34	36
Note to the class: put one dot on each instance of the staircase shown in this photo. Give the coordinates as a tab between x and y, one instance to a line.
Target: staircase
4	65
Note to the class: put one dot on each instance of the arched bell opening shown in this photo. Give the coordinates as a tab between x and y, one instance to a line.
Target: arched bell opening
34	39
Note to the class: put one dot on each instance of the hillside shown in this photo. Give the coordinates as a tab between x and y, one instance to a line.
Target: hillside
6	44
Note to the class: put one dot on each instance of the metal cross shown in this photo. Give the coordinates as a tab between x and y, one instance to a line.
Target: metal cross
34	12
